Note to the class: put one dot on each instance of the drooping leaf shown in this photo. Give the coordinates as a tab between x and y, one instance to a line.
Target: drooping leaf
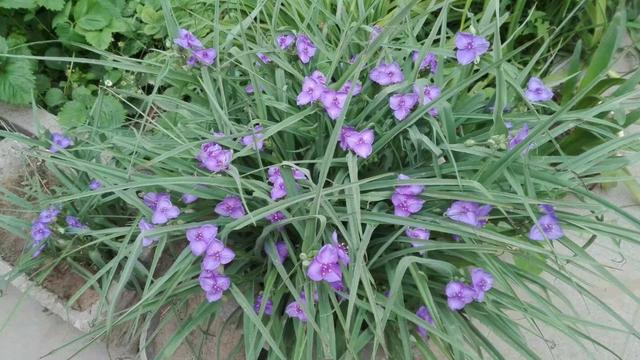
110	112
73	114
17	81
99	39
54	97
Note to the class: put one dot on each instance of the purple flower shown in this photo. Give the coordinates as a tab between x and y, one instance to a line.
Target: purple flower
278	190
214	157
164	212
256	140
151	199
341	249
361	142
536	91
547	227
424	314
408	189
213	284
402	104
405	205
230	206
345	133
59	142
470	47
294	310
264	58
145	226
318	77
352	59
305	48
431	93
248	89
470	213
428	62
74	222
325	265
217	254
285	41
311	91
482	282
281	250
39	232
420	234
200	238
38	250
188	198
386	74
459	294
375	32
268	306
348	85
520	137
203	56
95	184
187	40
276	217
49	214
333	102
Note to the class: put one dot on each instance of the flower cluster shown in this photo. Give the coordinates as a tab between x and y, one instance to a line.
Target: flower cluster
198	54
469	213
279	189
40	228
325	266
460	294
59	142
360	142
203	242
231	206
254	141
405	198
214	157
547	227
163	208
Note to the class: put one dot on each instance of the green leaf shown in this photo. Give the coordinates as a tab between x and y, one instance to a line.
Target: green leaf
73	114
111	113
16	81
83	96
82	7
17	4
99	39
54	97
53	5
95	20
530	262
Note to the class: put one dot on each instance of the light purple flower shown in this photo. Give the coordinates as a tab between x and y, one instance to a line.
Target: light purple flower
213	284
49	214
348	85
519	137
341	249
333	102
188	198
318	77
230	206
145	226
38	250
424	314
402	104
268	306
278	190
203	56
470	213
387	74
305	48
482	282
361	143
431	93
217	254
95	184
151	199
59	142
419	234
281	250
285	41
74	223
164	212
345	133
405	205
255	140
39	232
311	91
470	47
264	58
459	295
537	91
325	265
295	310
187	40
430	61
276	217
375	32
214	157
546	228
200	238
248	89
352	59
408	189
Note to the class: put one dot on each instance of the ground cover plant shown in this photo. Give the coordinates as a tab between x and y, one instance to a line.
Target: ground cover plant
367	177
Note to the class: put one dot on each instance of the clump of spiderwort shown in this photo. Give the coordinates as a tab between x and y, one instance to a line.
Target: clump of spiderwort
197	53
406	199
360	142
460	294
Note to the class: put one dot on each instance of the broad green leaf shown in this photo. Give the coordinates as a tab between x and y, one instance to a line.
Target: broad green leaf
73	114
